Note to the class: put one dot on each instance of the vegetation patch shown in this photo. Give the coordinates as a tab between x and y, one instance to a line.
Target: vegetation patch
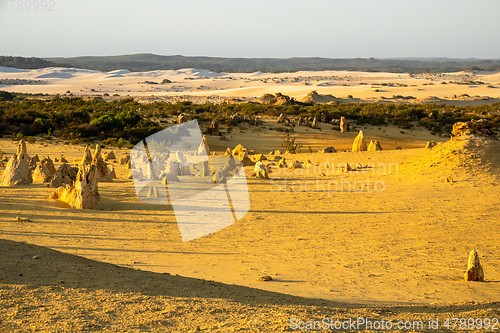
127	121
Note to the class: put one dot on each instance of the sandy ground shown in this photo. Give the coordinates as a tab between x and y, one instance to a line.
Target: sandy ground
57	292
388	242
204	86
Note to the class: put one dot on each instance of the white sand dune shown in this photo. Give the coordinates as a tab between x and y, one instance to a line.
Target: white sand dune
55	75
459	88
12	70
120	72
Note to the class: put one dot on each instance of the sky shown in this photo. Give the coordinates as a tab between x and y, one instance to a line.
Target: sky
252	28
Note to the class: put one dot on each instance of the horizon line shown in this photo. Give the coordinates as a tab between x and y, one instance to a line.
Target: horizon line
415	58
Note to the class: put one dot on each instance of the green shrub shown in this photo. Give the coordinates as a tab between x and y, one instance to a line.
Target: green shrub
109	141
73	117
106	123
120	143
405	114
129	118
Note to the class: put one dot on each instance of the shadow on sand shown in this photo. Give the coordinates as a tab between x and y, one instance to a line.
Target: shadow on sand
37	266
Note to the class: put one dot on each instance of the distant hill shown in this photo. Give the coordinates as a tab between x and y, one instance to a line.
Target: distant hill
148	62
25	63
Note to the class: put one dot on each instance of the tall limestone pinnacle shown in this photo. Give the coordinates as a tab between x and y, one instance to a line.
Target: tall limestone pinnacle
18	170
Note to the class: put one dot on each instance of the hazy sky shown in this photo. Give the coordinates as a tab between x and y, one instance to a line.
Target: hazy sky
252	28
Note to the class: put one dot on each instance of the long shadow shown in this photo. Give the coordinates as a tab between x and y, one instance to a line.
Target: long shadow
133	206
104	249
35	218
71	236
115	205
51	268
316	212
130	209
54	268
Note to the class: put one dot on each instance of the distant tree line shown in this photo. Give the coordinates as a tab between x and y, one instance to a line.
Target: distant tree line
149	62
25	63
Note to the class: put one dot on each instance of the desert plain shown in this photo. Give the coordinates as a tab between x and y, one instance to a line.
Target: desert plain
387	241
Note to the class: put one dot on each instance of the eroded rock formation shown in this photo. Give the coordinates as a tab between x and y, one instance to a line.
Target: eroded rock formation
260	171
474	270
103	174
343	125
85	193
482	127
17	171
359	143
41	174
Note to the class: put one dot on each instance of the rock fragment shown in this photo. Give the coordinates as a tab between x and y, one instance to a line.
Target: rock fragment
260	171
374	146
430	144
265	278
328	150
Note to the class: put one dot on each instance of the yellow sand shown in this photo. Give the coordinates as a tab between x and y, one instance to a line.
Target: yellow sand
404	239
